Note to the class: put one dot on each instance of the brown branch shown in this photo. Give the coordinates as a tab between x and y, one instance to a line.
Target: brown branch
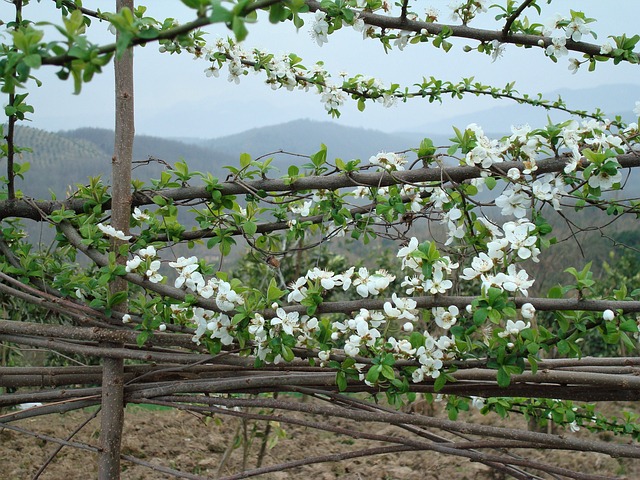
66	402
514	16
335	457
462	31
421	445
352	402
11	128
48	438
130	353
542	304
35	209
97	334
71	5
399	418
169	34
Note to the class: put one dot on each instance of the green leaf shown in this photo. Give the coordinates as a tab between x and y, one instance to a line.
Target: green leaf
287	353
278	13
273	292
490	182
504	379
245	160
143	337
555	292
440	382
374	373
388	373
533	364
320	157
341	381
239	29
426	148
249	227
33	61
629	325
293	171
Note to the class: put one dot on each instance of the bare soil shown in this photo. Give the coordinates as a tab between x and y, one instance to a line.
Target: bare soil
215	447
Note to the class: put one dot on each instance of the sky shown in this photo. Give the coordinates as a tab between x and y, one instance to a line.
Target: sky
174	98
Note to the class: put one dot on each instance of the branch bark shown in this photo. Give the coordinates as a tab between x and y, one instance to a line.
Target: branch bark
112	416
37	210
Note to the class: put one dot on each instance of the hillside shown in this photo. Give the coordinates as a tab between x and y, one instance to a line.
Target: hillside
305	136
147	147
58	162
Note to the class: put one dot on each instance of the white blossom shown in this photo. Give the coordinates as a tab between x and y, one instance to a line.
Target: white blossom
558	47
576	28
140	215
388	161
437	284
574	65
298	290
320	28
606	48
133	264
152	272
445	318
287	321
527	311
112	232
497	51
514	328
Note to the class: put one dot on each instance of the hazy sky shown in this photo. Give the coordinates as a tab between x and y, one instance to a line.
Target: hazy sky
175	98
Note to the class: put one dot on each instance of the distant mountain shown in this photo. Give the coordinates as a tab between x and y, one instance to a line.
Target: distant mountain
614	100
57	162
305	136
147	147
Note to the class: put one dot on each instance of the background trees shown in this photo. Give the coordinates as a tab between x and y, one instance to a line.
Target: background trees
452	312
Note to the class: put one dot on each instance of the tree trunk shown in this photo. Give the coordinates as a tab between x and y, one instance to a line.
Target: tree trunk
112	419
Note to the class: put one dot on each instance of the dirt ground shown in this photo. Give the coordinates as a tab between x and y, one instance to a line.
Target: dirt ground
189	443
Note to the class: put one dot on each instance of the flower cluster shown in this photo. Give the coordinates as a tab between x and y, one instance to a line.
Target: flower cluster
286	71
388	161
500	247
430	356
359	332
147	263
465	11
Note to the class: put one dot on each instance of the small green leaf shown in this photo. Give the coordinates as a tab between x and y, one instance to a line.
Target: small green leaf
249	227
273	292
374	373
245	160
440	382
341	381
504	379
533	364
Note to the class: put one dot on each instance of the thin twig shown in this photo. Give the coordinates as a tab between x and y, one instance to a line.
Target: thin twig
514	16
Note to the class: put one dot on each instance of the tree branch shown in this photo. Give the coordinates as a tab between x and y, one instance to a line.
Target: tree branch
514	16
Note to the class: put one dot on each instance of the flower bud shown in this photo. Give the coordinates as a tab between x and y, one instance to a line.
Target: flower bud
408	327
608	315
